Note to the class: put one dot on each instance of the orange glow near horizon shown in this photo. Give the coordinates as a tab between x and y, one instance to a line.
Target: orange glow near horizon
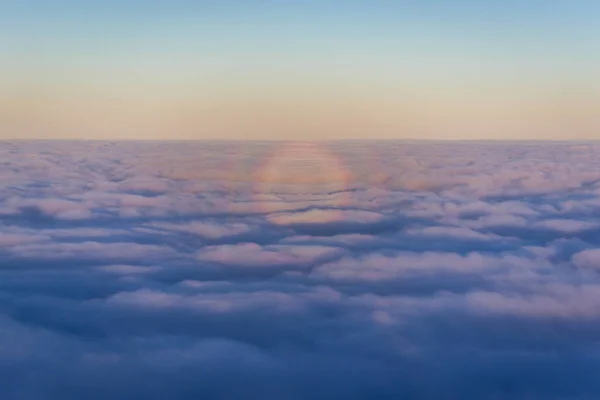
295	113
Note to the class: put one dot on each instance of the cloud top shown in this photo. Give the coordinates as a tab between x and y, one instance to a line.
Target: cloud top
195	270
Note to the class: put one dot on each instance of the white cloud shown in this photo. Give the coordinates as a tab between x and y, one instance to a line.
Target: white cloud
422	264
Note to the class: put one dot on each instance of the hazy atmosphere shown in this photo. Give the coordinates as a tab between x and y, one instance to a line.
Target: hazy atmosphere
279	69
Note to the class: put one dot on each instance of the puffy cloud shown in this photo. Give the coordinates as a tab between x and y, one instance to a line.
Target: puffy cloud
451	231
91	250
564	301
210	230
120	269
377	267
411	270
8	239
325	215
253	255
587	259
566	225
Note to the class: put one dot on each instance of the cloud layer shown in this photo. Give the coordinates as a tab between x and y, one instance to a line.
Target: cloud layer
196	270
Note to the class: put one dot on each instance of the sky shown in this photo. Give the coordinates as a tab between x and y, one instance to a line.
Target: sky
331	69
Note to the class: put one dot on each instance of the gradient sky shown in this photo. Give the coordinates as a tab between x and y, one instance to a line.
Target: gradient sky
329	69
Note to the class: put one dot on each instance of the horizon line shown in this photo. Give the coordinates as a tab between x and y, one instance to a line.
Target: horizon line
493	140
